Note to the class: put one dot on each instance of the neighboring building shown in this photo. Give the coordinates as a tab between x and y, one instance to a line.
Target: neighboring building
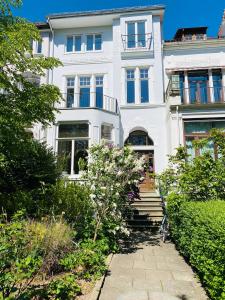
120	82
195	79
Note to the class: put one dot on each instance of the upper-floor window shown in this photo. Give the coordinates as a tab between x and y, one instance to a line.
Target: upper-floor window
73	43
85	84
99	91
144	85
39	47
130	86
136	34
94	42
70	92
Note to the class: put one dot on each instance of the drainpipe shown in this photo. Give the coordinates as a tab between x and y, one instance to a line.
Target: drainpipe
52	50
178	123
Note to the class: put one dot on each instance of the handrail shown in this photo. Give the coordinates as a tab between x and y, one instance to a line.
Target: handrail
88	100
133	41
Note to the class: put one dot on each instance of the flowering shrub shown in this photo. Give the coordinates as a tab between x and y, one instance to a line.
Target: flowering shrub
112	174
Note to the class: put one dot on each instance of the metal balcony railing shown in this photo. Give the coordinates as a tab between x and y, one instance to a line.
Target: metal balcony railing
88	100
202	95
197	94
137	41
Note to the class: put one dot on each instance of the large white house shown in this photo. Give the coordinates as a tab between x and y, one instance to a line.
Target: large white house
121	82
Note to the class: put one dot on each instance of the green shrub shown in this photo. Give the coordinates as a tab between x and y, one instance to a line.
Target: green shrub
88	261
199	231
72	199
64	288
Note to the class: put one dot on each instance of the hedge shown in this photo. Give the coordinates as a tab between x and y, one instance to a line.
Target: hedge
198	228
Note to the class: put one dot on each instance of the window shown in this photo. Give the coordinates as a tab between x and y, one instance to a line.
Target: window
73	43
39	47
130	86
195	130
94	42
73	145
106	132
99	91
217	86
139	138
136	35
85	83
70	92
144	85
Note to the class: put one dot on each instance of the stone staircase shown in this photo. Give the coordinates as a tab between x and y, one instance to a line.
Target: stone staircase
146	212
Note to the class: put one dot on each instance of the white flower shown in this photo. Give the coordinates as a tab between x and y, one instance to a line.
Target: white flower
92	196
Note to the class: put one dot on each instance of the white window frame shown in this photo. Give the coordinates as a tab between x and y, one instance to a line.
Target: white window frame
94	38
73	50
136	33
72	139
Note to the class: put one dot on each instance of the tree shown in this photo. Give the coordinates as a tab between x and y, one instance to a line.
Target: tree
23	103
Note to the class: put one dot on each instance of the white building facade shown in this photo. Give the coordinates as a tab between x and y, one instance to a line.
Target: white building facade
120	82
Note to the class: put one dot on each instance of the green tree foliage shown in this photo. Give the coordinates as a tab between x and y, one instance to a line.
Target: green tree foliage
24	164
199	179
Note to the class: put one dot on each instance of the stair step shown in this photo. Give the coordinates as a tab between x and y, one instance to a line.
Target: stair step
151	206
148	194
149	213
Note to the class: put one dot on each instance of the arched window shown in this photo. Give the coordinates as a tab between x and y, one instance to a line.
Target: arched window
139	138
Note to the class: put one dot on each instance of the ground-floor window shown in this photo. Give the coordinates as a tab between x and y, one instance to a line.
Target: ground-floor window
106	132
198	129
72	145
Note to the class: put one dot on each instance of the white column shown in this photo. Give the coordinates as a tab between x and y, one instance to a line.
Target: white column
92	91
76	91
123	86
223	83
137	86
211	90
186	87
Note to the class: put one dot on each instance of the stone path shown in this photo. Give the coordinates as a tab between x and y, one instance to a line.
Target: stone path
150	270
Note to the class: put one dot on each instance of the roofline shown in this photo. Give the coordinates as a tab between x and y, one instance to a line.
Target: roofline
105	11
42	25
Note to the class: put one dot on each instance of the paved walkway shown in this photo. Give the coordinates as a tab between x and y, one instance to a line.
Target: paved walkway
150	270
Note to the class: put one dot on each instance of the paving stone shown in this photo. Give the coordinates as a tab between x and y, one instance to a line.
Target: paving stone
162	296
160	275
144	265
154	271
116	294
150	285
184	276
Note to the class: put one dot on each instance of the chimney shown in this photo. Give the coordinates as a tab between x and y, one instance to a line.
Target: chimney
221	32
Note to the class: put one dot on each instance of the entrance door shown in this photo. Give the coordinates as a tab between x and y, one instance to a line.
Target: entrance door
148	184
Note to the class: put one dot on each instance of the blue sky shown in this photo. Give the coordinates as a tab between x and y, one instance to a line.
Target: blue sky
179	13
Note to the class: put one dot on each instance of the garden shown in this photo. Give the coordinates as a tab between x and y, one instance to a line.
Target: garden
195	191
55	235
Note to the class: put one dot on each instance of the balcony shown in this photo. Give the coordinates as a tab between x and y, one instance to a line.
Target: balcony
88	101
137	42
196	94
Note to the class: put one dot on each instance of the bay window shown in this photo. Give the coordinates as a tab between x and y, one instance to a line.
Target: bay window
106	132
85	83
131	86
72	145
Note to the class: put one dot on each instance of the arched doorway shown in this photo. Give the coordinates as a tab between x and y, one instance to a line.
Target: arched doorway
143	145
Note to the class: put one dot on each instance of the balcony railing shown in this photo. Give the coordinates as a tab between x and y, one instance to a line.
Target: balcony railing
202	95
88	100
137	41
196	95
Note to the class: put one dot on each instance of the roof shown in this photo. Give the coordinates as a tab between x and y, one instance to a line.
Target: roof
42	25
189	30
105	11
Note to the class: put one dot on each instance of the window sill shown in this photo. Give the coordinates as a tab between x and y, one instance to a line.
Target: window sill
83	52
